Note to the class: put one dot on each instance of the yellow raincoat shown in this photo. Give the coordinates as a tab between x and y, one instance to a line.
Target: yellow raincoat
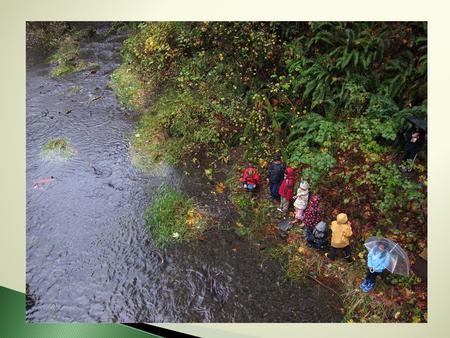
341	232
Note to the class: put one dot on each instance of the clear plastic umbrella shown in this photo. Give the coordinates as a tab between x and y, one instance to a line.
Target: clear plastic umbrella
399	261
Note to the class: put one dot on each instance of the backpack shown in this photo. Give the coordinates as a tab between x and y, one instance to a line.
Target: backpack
319	234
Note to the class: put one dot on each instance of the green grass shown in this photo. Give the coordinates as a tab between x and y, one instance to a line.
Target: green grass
364	307
58	148
128	88
148	145
173	217
75	89
63	69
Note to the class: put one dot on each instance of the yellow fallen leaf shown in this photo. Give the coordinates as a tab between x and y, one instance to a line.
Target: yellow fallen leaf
301	250
262	163
361	254
190	217
239	225
220	187
209	173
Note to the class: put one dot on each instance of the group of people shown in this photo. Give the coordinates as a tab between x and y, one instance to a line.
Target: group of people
308	214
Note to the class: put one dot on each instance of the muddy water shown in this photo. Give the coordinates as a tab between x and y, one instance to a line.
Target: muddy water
89	256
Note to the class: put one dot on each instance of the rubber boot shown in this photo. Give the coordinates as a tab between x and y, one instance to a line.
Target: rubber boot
363	285
370	286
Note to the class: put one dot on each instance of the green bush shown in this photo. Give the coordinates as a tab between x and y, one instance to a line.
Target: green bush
395	192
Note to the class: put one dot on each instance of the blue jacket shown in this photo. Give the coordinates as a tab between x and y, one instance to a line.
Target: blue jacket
378	260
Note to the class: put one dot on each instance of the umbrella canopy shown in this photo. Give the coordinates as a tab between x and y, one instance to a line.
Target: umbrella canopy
417	121
399	261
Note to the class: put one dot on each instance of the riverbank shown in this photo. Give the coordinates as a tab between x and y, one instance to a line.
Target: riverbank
334	108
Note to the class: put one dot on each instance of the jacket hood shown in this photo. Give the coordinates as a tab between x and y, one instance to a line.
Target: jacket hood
290	172
315	199
342	218
321	226
304	185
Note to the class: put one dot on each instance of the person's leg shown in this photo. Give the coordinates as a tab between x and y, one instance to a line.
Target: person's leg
276	186
366	281
271	190
281	207
321	244
370	276
299	214
348	253
284	204
332	253
371	280
296	220
310	238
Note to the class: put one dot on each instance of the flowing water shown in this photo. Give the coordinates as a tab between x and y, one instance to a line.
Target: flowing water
89	255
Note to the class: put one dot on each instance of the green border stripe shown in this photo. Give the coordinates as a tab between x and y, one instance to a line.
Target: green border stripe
12	323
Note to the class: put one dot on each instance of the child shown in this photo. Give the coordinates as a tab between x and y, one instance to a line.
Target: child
312	215
341	232
319	236
276	172
286	190
250	178
301	201
378	259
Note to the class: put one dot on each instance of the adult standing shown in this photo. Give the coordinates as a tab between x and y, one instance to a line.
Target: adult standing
276	175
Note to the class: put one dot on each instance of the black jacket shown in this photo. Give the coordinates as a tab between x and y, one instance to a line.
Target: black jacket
276	172
414	147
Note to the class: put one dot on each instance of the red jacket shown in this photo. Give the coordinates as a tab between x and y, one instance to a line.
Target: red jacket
251	176
287	186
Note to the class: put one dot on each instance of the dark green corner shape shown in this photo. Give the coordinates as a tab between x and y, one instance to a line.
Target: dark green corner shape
12	323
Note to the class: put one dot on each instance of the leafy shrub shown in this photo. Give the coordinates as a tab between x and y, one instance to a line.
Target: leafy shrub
43	37
395	192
